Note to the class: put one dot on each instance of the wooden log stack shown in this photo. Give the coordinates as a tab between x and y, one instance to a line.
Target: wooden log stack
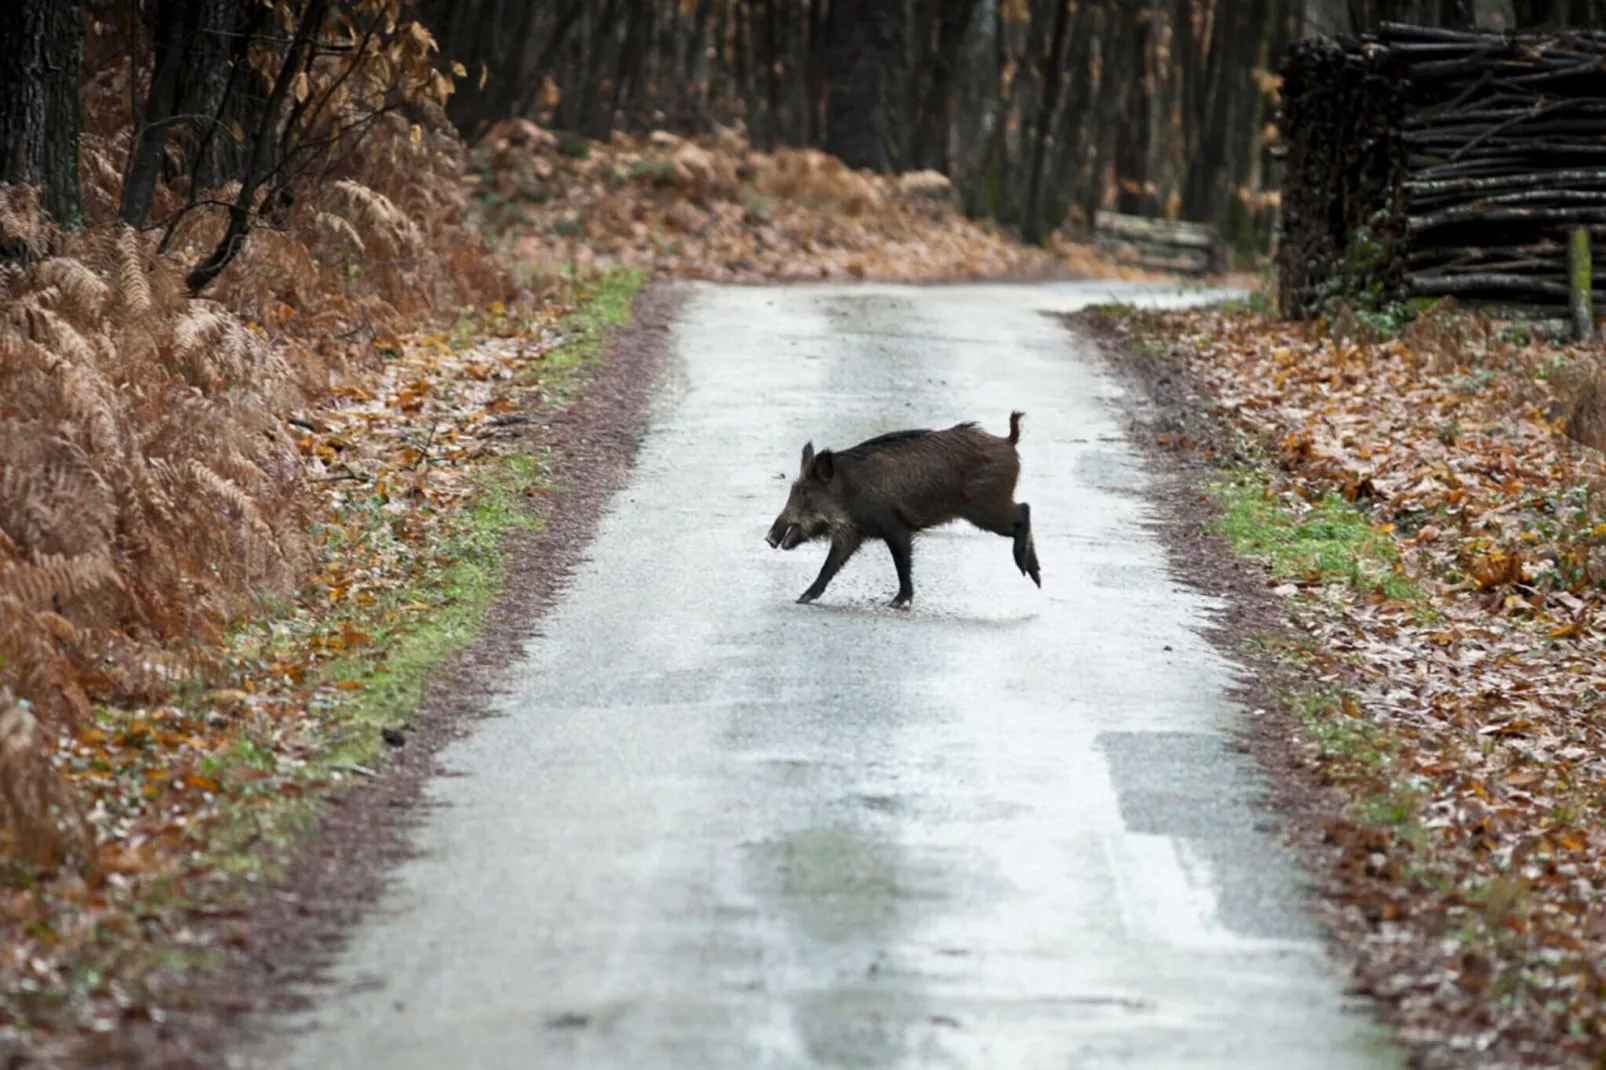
1501	144
1343	104
1160	244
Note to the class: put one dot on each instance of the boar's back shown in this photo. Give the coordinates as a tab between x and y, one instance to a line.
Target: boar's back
893	439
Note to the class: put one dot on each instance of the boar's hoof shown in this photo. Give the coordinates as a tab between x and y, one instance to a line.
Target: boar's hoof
902	601
806	597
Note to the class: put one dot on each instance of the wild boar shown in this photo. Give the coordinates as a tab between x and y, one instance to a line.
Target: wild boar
894	485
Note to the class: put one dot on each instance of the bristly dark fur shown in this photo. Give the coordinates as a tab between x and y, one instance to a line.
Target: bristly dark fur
894	438
894	485
891	438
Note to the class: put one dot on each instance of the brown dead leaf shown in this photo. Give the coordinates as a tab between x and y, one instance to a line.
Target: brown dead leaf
1485	692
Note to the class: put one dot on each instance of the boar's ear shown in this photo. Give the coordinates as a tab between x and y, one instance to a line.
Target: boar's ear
824	466
808	455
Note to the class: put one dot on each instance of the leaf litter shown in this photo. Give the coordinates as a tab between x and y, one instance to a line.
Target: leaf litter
171	791
715	208
1455	697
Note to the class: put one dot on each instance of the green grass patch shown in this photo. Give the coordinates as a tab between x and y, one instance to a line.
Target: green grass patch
1360	756
460	571
471	563
389	674
1332	542
655	172
604	303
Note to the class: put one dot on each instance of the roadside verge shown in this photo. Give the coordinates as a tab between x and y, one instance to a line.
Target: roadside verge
461	530
1407	546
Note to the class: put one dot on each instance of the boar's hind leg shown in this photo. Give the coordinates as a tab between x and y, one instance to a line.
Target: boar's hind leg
1025	546
902	547
1013	521
840	552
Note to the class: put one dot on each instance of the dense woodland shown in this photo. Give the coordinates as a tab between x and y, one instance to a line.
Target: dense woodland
1034	109
1037	110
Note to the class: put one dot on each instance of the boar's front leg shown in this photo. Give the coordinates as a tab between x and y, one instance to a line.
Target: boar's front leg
841	550
902	549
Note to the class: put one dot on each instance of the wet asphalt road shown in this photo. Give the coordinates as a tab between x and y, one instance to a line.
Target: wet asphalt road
719	830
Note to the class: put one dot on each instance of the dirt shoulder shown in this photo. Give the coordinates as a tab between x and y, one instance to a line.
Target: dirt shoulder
278	946
1189	445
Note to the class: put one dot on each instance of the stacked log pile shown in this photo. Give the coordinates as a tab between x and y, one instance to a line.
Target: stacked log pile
1342	107
1500	140
1159	244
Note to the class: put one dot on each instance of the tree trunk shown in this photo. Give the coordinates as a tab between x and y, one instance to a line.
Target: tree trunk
782	36
1132	121
177	27
1078	130
817	80
862	124
932	117
1234	46
1118	82
632	58
1580	284
547	60
501	96
1034	226
264	151
39	102
216	89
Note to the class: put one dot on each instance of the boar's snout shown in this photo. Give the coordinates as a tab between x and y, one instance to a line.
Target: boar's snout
784	535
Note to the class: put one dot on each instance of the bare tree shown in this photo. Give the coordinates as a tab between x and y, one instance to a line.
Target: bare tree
39	101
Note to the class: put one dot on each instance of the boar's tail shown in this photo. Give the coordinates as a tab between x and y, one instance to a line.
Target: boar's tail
1014	427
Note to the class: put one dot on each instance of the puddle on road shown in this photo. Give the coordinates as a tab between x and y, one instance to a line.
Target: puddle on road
849	310
1116	577
861	1026
1191	804
836	885
850	896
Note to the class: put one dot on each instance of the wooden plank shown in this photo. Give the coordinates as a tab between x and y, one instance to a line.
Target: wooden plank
1580	284
1158	257
1161	231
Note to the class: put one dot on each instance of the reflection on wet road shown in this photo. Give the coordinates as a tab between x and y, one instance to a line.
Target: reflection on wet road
719	830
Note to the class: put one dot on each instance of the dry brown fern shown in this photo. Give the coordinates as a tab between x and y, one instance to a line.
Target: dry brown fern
133	284
36	812
381	217
150	490
21	223
142	457
81	293
51	579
